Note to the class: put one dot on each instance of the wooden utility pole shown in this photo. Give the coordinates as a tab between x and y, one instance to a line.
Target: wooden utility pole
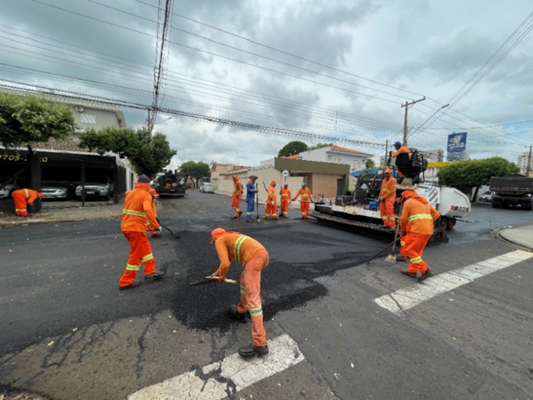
528	170
386	152
407	105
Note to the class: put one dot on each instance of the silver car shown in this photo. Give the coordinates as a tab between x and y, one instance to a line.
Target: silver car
56	191
206	188
96	190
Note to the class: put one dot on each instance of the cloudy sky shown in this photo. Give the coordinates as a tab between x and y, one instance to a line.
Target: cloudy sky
304	70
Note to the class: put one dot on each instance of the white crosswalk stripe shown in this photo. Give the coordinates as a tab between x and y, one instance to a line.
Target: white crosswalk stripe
401	300
230	374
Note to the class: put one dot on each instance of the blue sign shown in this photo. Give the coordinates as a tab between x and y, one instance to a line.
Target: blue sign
456	146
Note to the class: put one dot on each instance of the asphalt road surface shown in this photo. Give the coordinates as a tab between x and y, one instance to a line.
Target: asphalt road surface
68	333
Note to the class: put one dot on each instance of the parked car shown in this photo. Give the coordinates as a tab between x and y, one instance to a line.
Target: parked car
206	188
485	197
56	190
6	191
102	190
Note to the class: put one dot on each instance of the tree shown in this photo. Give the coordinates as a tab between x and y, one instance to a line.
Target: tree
26	119
320	146
292	148
466	175
148	154
195	170
369	163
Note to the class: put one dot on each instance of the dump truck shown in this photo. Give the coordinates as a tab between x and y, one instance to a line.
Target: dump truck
362	208
512	191
171	183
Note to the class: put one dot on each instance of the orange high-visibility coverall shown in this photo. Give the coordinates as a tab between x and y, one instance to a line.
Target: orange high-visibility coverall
138	212
285	195
401	150
387	194
271	201
152	229
416	224
305	200
254	258
22	198
237	194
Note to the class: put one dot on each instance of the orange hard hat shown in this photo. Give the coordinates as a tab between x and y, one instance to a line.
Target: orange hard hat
388	171
216	233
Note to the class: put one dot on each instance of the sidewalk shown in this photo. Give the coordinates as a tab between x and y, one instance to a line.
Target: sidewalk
521	236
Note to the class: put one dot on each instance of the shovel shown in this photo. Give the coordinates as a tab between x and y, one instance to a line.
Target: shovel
212	279
170	230
257	206
391	257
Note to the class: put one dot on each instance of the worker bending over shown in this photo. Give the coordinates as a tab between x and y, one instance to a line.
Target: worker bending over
416	224
254	258
23	199
236	198
138	213
285	195
271	208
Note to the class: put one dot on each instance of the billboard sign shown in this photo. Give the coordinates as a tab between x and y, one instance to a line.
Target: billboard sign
456	146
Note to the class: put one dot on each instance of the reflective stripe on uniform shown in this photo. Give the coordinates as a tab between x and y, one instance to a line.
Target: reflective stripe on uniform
416	260
256	311
420	216
243	290
26	194
133	212
237	247
130	267
148	257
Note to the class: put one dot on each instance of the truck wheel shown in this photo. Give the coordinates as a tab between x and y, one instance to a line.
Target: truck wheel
505	205
496	204
451	223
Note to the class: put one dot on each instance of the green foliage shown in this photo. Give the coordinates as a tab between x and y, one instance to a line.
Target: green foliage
26	119
292	148
369	164
148	154
195	170
320	146
469	174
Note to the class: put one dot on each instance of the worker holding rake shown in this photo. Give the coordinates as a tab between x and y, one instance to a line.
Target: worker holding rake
254	258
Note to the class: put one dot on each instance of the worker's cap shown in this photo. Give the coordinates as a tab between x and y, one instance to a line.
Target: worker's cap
398	144
285	184
273	183
216	233
143	179
388	171
235	177
303	185
252	177
407	184
153	192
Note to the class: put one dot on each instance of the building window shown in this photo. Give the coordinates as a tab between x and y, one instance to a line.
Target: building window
88	118
337	160
356	165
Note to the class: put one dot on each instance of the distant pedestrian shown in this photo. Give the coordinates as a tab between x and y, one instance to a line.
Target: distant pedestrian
285	195
416	224
251	190
254	258
23	199
305	200
236	198
138	212
271	209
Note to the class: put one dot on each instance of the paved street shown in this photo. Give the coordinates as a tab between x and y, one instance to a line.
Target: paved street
68	333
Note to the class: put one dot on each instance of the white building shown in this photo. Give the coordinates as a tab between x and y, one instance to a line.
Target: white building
523	161
338	155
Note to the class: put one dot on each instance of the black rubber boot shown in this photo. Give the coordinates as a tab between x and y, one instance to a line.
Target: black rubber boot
410	274
237	315
251	351
134	284
155	275
425	275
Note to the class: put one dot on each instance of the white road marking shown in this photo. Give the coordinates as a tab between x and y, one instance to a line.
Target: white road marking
404	299
218	379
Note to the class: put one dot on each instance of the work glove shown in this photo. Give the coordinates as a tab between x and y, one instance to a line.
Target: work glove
273	203
381	199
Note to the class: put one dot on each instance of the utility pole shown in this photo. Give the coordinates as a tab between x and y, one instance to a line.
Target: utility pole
407	105
386	152
528	170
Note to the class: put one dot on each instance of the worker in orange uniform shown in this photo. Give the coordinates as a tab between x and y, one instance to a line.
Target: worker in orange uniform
285	195
416	224
399	150
305	200
271	201
387	196
23	199
154	232
236	198
254	258
138	213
